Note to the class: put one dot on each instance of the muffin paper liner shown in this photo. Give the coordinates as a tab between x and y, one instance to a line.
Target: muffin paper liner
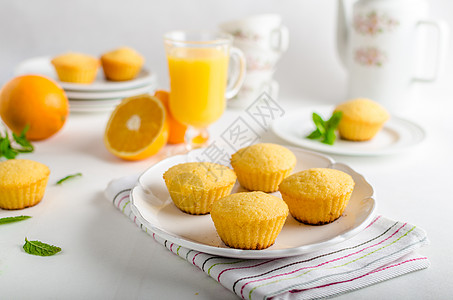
118	72
354	131
316	211
252	235
199	202
76	76
261	181
22	197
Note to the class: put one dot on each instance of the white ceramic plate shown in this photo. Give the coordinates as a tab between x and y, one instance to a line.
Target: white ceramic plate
92	110
108	95
95	106
152	205
105	104
397	135
42	65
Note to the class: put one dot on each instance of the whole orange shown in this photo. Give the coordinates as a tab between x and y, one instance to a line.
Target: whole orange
177	129
36	101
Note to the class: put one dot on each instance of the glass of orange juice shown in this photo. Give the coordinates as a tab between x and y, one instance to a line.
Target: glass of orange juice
204	70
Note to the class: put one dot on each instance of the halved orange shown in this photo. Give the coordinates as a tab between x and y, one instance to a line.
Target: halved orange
137	128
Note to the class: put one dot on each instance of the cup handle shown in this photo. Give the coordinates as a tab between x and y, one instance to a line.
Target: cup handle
237	72
442	45
280	39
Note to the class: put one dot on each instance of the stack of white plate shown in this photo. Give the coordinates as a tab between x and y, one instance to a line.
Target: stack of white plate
101	95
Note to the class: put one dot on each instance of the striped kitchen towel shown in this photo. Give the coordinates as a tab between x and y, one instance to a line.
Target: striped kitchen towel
384	250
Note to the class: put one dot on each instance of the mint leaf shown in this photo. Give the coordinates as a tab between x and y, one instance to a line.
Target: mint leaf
8	220
68	177
10	150
334	120
316	134
22	141
329	137
40	248
325	130
319	123
5	148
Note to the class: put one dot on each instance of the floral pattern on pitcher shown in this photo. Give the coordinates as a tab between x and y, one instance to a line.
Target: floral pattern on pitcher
370	56
372	23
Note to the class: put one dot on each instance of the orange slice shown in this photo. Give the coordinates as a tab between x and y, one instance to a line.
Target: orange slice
137	128
177	129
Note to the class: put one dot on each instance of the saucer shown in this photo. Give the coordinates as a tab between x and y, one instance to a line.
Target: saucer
397	135
110	94
43	66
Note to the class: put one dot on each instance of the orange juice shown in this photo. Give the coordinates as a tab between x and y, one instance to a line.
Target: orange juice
198	78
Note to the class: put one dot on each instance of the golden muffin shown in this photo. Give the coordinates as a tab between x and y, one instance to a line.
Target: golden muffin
250	220
362	119
76	67
122	64
317	196
194	186
22	183
261	167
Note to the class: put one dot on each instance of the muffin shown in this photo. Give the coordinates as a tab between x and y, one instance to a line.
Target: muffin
362	119
250	220
317	196
76	67
22	183
122	64
261	167
194	186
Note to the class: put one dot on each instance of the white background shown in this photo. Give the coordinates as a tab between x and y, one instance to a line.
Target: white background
310	68
412	187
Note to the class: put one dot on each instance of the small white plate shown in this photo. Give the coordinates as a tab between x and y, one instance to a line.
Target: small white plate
104	104
97	107
152	204
92	110
43	66
108	95
109	101
397	134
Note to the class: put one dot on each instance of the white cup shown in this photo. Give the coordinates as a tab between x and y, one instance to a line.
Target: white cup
257	58
255	84
262	38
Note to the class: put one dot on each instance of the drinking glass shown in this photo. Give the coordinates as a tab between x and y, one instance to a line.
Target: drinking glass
204	70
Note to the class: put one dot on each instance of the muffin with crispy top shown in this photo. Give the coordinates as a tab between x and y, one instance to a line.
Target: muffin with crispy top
361	120
317	196
194	186
76	67
261	167
250	220
122	64
22	183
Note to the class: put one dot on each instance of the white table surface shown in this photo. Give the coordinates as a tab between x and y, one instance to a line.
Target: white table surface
105	256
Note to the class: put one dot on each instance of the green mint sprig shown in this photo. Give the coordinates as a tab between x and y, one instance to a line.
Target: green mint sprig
68	177
325	130
10	148
8	220
40	248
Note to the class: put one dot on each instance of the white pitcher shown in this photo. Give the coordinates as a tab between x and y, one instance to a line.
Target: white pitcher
381	45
